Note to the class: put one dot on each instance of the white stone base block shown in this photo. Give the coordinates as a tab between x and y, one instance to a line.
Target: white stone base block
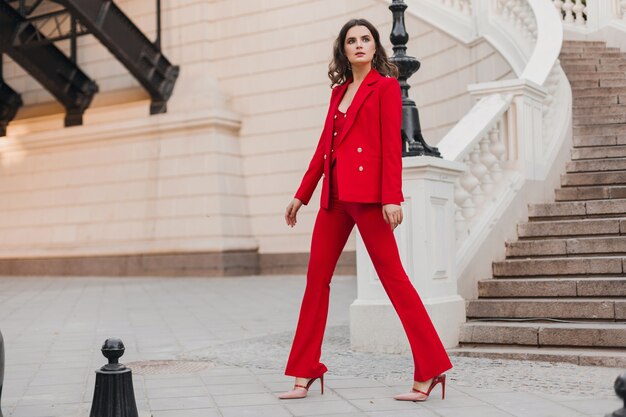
426	244
376	327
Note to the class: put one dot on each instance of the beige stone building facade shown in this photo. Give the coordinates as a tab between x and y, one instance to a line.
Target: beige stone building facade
201	189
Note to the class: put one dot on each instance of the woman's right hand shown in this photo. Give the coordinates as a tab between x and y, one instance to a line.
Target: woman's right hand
292	211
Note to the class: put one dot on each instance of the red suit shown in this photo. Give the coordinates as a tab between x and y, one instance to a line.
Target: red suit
359	156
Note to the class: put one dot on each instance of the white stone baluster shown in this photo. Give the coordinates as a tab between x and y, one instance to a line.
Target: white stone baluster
469	183
623	9
567	7
459	6
559	5
497	148
467	7
517	17
479	171
578	11
488	160
460	198
506	8
549	102
530	30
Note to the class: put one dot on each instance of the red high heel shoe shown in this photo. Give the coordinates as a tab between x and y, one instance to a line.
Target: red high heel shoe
417	395
300	391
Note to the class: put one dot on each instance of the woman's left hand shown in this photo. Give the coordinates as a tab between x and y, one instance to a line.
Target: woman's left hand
392	213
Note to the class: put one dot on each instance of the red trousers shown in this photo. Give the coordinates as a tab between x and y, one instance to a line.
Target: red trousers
330	233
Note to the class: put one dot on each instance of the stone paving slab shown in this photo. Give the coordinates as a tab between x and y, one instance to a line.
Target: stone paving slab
218	355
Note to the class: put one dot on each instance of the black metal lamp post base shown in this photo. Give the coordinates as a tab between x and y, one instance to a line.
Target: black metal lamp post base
413	143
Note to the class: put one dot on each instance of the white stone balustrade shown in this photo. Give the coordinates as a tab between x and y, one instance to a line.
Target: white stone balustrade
461	6
553	101
590	15
484	151
519	18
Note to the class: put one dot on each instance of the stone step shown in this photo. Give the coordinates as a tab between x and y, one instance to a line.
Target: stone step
613	358
596	101
599	152
555	308
577	209
583	44
598	91
594	110
582	141
599	119
565	56
535	267
552	287
613	245
594	178
594	59
566	228
590	193
582	49
612	60
586	83
606	335
580	60
596	165
576	68
612	82
596	67
586	48
594	75
610	67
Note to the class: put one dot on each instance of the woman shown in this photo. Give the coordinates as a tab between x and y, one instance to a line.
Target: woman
359	157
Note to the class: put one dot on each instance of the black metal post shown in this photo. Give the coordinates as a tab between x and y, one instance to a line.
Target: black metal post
73	35
413	143
620	390
113	395
1	369
157	42
10	102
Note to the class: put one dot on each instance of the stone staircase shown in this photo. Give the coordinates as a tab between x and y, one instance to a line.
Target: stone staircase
560	294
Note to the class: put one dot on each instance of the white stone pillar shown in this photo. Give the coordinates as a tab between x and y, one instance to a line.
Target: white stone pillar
426	240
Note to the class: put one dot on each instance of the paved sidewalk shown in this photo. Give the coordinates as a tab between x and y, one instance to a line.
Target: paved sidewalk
217	347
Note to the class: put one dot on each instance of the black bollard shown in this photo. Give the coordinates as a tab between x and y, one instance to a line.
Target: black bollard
620	390
1	369
113	395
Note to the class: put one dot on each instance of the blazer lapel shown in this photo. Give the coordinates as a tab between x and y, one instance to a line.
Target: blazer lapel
337	93
361	94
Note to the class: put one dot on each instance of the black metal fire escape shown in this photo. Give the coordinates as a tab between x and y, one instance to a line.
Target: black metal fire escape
29	38
129	45
10	102
21	39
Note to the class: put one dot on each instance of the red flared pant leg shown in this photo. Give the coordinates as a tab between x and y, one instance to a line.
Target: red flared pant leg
330	233
429	355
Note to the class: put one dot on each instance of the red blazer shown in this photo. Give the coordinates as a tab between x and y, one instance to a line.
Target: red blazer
368	150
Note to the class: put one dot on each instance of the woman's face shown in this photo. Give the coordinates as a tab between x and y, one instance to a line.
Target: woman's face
359	46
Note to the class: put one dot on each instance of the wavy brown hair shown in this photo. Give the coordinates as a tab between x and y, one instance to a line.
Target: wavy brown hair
339	69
